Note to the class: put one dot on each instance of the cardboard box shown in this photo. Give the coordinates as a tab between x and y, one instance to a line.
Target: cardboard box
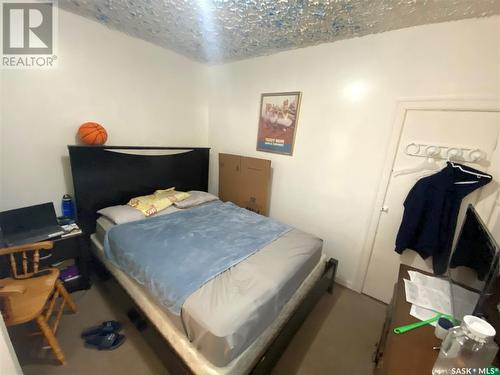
245	181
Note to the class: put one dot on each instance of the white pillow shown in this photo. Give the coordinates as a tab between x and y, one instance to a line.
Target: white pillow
166	211
125	214
121	214
196	198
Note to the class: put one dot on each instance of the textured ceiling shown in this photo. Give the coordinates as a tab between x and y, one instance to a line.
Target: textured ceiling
217	31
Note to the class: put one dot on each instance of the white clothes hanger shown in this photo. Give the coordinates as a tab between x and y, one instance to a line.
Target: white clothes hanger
478	175
429	164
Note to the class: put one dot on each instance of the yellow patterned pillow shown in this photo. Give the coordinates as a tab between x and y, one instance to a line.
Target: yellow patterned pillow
161	199
171	194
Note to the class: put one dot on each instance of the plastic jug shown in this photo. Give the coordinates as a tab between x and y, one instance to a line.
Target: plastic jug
467	348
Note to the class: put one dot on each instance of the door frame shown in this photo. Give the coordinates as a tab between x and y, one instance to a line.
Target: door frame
444	103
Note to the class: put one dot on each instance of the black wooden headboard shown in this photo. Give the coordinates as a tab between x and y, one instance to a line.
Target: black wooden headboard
105	176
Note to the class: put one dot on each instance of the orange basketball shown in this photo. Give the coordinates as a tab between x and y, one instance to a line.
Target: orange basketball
92	133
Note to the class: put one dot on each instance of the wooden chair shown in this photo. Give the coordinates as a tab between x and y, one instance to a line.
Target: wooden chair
25	296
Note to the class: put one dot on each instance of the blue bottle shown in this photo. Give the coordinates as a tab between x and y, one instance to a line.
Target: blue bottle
68	208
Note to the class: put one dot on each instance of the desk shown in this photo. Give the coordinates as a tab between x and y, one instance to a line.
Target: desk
74	247
411	352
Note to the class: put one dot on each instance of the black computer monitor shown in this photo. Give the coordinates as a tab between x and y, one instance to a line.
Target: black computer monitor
477	253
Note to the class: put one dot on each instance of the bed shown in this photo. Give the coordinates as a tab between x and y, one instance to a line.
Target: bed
238	322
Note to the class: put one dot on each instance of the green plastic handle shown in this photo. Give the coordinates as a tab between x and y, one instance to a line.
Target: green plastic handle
409	327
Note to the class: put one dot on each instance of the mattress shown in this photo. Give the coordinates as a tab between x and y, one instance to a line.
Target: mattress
227	314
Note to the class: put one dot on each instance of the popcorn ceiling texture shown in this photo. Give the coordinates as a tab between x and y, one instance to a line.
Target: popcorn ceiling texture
216	31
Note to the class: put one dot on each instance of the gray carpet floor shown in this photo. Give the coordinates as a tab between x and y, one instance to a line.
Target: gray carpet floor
338	337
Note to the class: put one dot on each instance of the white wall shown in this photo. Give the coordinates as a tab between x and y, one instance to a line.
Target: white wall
350	91
9	363
142	94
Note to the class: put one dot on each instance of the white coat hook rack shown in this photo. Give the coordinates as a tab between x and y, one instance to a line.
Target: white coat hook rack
461	154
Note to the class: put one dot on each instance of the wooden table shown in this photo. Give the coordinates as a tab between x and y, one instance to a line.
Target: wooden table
411	352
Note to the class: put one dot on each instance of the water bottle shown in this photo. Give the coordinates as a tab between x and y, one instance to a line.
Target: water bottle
68	209
468	348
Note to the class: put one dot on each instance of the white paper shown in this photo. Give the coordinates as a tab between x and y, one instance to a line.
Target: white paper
431	295
430	281
464	301
423	314
428	298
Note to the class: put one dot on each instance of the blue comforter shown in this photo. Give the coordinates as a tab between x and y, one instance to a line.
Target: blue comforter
174	255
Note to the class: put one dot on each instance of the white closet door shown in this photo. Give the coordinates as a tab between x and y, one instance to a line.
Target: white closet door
461	128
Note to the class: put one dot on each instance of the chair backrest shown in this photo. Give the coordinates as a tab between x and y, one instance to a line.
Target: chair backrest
24	259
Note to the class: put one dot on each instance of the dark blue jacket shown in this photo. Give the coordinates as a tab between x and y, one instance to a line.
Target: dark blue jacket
430	214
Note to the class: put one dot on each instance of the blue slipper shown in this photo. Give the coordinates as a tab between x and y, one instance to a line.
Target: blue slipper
109	341
110	326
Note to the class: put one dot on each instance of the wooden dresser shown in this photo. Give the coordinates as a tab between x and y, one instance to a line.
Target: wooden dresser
411	352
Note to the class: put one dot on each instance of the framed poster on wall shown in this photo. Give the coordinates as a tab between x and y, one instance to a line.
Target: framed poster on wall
278	116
